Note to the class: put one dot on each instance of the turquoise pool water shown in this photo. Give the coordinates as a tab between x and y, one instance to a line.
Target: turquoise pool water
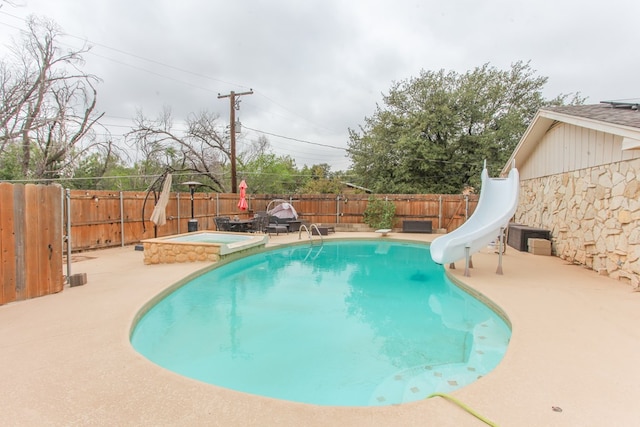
209	237
349	323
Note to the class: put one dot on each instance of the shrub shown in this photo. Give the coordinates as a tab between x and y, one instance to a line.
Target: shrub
379	213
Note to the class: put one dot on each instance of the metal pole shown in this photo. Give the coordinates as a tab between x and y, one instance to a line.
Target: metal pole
192	190
500	243
232	129
337	209
233	105
466	207
178	209
217	204
467	260
121	220
68	236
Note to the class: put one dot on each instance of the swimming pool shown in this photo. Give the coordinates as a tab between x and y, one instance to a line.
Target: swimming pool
348	323
199	246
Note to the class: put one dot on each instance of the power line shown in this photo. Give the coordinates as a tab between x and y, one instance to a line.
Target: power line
133	55
291	112
153	61
295	139
151	72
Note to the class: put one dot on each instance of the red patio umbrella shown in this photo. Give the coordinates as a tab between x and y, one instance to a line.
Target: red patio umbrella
242	204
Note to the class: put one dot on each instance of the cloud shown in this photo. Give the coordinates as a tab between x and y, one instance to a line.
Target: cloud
318	68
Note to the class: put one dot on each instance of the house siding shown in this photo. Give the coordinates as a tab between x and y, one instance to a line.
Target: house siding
578	182
567	148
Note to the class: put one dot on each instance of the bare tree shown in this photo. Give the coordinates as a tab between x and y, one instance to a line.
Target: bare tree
48	103
201	148
254	150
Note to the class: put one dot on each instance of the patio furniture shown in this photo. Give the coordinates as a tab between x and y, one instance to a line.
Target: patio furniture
518	236
282	209
240	225
294	224
416	226
222	223
259	224
277	225
324	230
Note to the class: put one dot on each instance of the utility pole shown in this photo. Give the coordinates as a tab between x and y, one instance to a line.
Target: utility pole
234	105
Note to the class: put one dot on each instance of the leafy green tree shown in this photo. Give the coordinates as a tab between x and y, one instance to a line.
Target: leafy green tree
434	131
270	174
320	180
10	164
106	171
322	186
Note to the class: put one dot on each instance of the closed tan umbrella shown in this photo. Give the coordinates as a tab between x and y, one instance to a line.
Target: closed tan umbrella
159	214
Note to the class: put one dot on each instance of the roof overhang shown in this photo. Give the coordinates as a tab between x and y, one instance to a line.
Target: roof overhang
630	143
544	120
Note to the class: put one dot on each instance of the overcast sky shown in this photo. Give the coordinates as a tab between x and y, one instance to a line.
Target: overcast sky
318	68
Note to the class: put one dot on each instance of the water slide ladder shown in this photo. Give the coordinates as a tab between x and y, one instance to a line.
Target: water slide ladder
468	261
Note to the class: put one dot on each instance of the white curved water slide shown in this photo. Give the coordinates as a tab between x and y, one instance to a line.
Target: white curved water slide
497	204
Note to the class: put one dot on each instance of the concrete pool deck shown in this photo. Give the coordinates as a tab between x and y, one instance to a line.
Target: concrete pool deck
65	359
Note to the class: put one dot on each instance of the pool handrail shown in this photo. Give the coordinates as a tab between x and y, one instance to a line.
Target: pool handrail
309	233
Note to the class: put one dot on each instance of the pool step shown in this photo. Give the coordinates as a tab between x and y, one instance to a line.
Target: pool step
419	382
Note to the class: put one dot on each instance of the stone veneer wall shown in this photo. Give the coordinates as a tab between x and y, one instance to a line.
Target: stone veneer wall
169	253
593	215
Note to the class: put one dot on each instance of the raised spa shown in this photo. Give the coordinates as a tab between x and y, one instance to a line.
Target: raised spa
199	246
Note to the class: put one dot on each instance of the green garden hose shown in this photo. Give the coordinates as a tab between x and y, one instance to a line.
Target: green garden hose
465	407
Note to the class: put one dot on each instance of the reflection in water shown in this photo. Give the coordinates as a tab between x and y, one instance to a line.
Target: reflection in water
345	323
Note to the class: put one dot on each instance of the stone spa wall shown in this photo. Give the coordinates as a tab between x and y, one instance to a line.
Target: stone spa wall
593	215
169	253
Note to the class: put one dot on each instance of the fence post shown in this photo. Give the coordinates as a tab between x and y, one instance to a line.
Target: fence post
68	236
440	212
178	208
337	209
62	221
121	220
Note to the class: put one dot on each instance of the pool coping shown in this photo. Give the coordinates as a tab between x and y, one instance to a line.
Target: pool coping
67	358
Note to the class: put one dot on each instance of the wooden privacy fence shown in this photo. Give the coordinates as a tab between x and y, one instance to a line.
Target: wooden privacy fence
98	219
34	223
30	241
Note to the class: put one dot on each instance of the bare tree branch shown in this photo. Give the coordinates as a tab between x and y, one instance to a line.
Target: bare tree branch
48	103
201	148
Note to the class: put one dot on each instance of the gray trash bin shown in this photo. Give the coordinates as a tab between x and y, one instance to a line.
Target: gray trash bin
193	225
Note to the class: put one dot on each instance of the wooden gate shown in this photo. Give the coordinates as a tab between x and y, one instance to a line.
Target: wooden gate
30	241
